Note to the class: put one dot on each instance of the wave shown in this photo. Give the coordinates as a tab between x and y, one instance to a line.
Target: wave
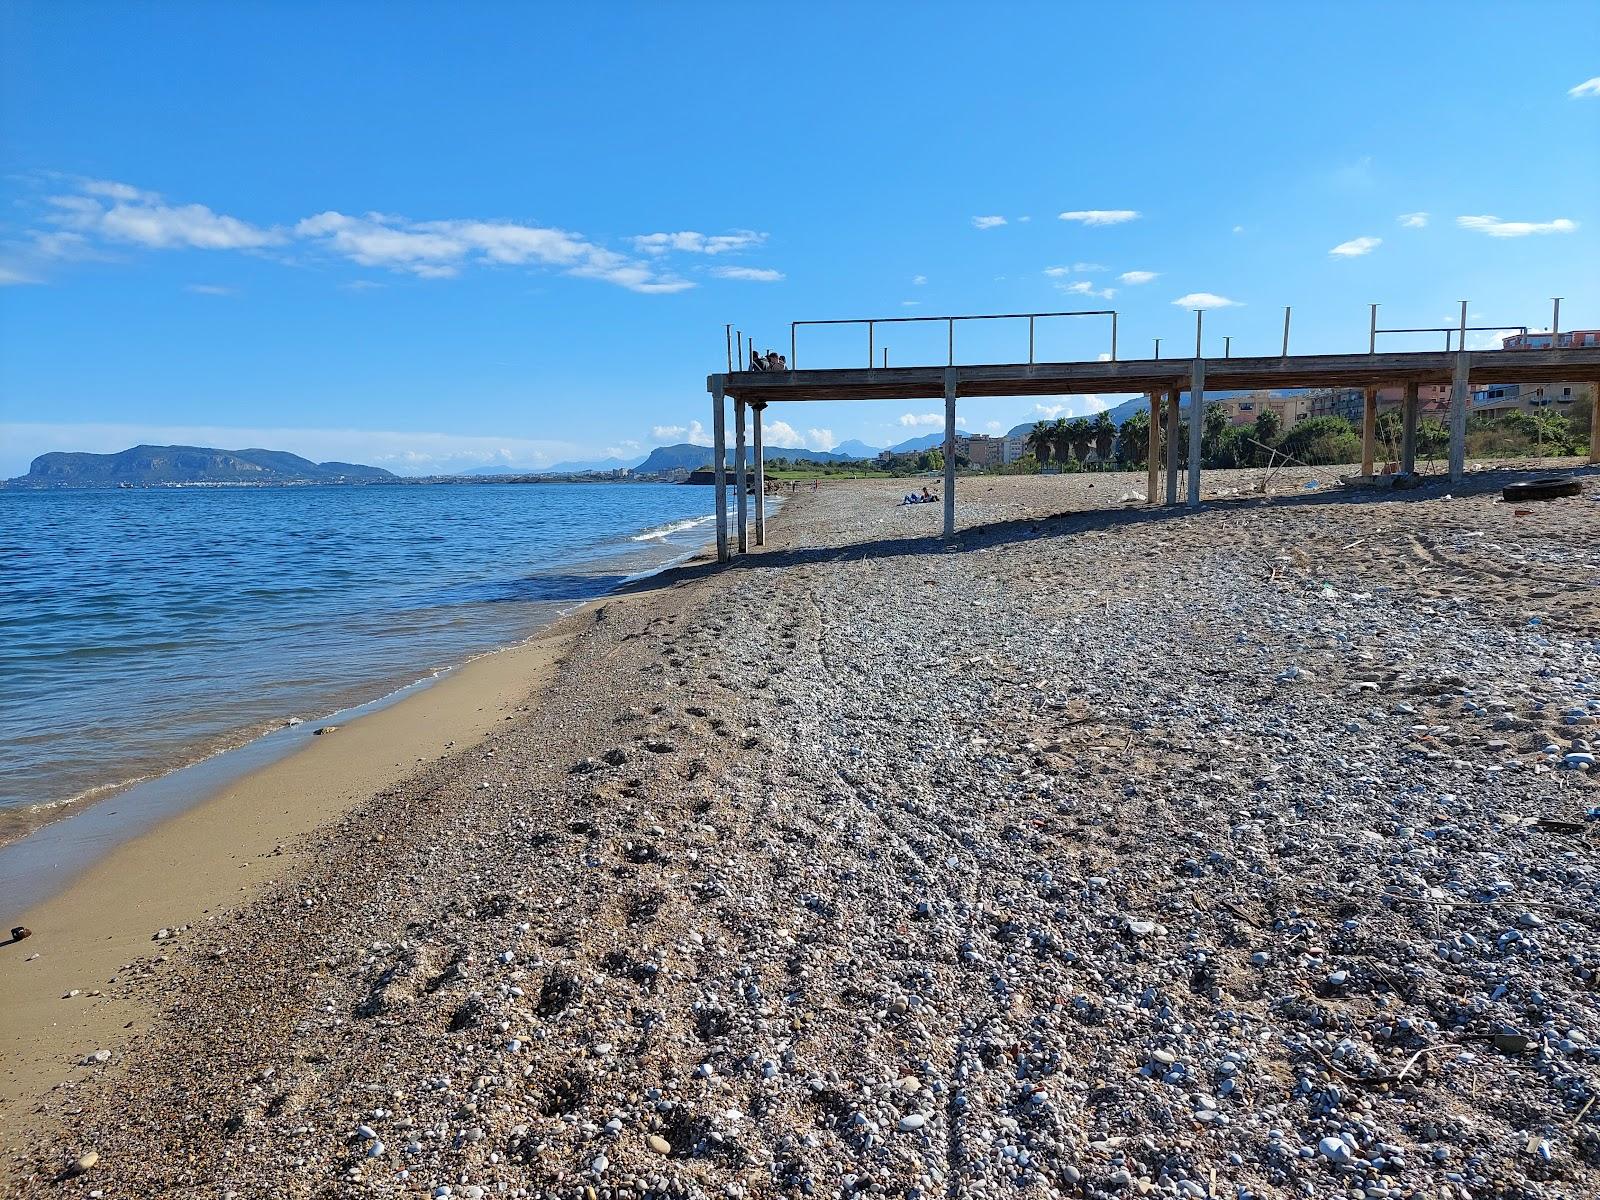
659	532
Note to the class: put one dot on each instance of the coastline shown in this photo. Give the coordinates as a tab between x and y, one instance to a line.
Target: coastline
216	854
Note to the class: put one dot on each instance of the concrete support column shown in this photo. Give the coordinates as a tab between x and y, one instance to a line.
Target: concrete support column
1369	432
1153	467
719	453
1459	395
740	492
949	454
1173	416
1408	431
761	476
1197	422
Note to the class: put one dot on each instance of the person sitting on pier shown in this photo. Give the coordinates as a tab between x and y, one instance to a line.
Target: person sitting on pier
757	363
776	362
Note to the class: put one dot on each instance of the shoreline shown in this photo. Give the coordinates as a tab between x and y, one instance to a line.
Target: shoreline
215	853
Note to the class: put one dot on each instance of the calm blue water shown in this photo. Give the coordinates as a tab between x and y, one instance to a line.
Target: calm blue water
141	630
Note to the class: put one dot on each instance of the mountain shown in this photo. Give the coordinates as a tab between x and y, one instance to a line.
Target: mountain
145	466
683	456
856	449
560	468
598	464
801	454
920	443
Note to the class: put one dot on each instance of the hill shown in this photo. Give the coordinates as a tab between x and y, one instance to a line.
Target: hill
856	449
149	466
927	442
683	456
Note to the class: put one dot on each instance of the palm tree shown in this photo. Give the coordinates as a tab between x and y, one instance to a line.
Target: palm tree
1063	436
1081	435
1105	435
1133	439
1041	439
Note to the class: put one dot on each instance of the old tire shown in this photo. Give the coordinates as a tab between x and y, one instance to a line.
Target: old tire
1550	488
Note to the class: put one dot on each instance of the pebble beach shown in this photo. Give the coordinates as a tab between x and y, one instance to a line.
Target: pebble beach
1104	851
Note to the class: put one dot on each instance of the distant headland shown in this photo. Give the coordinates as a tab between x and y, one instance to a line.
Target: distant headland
172	466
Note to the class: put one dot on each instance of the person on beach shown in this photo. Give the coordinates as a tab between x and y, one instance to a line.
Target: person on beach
776	361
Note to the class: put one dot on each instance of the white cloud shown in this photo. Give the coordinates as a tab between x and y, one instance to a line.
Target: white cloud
918	280
821	439
123	213
1495	227
780	435
987	222
1238	228
931	420
1205	300
439	249
210	289
1101	216
694	433
1086	268
1589	87
1023	220
752	274
1058	272
1083	287
993	426
1049	411
1136	277
909	303
690	242
11	277
1416	220
1356	247
1488	339
405	453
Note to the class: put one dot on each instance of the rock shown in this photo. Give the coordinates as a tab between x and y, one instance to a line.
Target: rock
659	1144
18	932
1511	1041
1139	928
98	1058
325	729
84	1162
1336	1150
912	1121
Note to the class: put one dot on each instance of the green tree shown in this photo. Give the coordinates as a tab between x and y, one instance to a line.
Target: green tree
1320	440
1063	444
1269	427
1105	435
1133	439
1041	440
1080	435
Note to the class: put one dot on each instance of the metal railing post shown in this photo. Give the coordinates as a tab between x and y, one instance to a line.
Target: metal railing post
1372	332
1113	337
1286	331
727	333
1158	348
1199	322
794	359
871	329
951	322
1227	346
1030	341
1555	324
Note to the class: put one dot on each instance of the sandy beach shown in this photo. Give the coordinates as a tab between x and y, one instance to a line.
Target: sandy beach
1106	851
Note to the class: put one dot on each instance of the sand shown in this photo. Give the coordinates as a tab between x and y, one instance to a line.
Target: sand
217	855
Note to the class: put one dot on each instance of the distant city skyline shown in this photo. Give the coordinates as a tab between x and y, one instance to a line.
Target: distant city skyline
514	235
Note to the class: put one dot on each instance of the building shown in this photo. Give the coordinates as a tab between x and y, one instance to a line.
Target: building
1508	397
1541	341
1016	447
1244	408
981	450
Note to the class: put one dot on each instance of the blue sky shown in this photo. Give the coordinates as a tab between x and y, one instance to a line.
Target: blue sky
433	237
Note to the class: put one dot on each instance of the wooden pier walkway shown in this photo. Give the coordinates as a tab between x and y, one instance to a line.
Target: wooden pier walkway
1162	379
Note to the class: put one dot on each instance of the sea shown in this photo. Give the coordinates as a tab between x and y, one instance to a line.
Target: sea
145	630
